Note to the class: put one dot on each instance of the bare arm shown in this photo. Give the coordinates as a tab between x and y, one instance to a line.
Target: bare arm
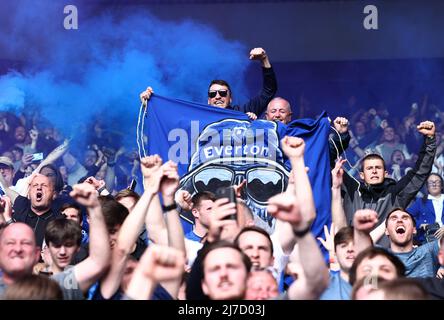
158	264
378	232
300	212
337	210
8	191
132	226
284	230
54	155
363	222
89	270
110	177
316	275
176	238
155	224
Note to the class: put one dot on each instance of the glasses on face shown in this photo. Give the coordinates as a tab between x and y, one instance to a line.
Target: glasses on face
434	183
262	183
213	93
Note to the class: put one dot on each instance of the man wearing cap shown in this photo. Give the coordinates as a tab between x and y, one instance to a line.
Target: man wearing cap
419	262
6	172
383	194
220	94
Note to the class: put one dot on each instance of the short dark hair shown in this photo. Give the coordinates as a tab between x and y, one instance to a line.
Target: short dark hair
224	244
61	231
370	157
126	193
72	206
114	213
371	253
400	209
220	82
201	196
17	148
344	235
254	229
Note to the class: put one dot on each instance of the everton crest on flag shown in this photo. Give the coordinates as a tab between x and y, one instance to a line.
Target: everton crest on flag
216	147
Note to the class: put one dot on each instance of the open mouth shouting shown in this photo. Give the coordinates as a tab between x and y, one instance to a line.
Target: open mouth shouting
400	230
39	196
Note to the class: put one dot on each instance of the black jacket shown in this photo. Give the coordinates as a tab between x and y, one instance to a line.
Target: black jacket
259	103
385	197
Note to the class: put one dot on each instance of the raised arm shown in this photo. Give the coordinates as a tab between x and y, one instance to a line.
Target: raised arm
316	276
8	191
337	209
130	230
54	155
339	139
283	230
176	238
411	183
168	187
89	270
363	222
158	264
299	210
258	104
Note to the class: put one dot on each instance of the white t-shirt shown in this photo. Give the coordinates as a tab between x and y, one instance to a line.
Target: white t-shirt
437	206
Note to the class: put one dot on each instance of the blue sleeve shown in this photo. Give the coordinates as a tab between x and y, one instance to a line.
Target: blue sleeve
415	210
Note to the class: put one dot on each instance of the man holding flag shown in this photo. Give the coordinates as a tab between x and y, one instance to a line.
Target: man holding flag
220	95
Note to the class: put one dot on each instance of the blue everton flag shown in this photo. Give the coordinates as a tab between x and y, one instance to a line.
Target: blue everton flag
216	147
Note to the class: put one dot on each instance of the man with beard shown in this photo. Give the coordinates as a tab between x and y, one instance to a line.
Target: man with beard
421	261
37	209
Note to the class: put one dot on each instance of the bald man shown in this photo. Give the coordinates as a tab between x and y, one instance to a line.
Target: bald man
18	253
37	209
279	109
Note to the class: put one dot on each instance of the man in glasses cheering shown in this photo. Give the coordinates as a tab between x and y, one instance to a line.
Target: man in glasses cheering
220	95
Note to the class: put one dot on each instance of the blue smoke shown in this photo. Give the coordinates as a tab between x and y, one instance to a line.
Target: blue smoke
100	69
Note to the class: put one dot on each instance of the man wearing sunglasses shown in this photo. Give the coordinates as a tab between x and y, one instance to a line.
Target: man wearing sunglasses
220	95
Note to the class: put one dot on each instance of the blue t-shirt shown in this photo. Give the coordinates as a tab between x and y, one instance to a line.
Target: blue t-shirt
193	237
338	289
421	262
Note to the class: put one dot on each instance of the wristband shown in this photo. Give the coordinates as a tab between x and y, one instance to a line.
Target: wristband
170	207
301	233
101	189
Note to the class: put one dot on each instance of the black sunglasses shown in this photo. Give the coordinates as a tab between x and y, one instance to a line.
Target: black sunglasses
222	93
